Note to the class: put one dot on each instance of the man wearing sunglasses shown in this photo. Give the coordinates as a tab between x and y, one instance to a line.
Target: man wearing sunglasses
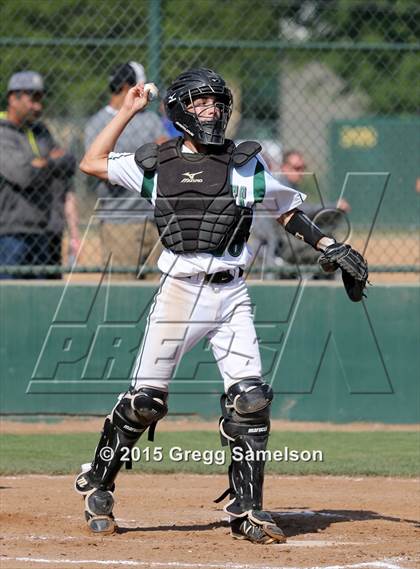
293	168
330	217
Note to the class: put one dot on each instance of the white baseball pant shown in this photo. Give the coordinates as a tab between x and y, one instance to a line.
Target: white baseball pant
184	311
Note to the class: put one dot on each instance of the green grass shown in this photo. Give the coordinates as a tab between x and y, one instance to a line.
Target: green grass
344	453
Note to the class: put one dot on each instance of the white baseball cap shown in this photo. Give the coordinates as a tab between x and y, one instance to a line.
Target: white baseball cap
139	71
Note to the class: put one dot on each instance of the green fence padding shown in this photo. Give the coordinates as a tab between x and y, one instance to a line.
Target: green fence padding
71	350
375	164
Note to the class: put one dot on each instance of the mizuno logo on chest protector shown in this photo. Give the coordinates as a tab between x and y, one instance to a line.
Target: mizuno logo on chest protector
191	178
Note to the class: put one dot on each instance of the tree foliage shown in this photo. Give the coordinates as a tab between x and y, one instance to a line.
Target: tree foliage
75	43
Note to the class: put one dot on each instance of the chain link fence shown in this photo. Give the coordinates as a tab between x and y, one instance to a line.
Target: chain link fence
334	81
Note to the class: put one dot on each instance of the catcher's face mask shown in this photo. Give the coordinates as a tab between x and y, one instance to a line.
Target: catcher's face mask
200	104
209	117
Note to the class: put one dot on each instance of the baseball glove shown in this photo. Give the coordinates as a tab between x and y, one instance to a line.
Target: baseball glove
354	268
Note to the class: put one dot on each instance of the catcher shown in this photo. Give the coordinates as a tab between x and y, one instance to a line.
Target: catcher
203	188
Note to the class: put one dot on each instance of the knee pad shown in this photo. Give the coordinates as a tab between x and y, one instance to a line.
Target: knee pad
250	395
137	411
246	409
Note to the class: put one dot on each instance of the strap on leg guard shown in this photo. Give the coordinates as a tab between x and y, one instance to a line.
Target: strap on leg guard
132	415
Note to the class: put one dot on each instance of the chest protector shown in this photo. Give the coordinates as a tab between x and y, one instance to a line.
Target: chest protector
195	209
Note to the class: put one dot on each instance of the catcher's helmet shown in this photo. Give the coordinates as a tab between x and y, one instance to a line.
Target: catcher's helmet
190	85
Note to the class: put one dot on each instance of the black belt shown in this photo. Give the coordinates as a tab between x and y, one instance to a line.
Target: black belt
222	277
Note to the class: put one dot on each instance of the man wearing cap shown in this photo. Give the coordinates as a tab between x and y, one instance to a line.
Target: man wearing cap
127	226
35	176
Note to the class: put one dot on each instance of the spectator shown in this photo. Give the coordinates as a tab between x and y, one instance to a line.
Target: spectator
131	242
292	172
328	216
275	243
64	212
32	169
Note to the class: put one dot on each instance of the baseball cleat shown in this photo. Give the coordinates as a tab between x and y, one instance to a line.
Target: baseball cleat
258	527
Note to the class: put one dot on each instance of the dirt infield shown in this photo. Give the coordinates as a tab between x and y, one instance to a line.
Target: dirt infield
170	424
169	521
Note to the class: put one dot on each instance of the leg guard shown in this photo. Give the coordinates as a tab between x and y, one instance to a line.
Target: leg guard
133	414
245	426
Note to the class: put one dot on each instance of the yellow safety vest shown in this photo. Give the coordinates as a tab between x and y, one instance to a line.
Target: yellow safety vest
29	134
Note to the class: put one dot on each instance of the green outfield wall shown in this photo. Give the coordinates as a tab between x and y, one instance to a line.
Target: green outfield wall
373	162
70	349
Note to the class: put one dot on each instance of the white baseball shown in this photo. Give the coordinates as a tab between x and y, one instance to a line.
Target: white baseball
151	90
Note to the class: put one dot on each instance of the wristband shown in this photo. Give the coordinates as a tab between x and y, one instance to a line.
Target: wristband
302	227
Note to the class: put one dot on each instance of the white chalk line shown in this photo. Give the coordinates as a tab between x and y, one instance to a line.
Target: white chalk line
386	479
386	564
290	542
